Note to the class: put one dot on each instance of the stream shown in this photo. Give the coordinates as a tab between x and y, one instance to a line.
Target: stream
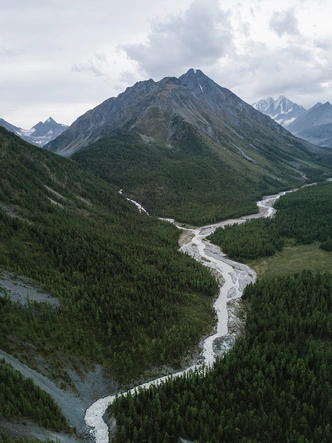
233	277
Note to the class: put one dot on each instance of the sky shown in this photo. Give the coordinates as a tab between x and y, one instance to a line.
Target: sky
60	58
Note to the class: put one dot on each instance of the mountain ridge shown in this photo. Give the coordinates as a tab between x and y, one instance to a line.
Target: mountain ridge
154	138
313	125
193	96
40	134
282	110
317	115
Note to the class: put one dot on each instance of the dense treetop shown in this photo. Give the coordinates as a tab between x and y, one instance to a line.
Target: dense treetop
304	216
275	384
21	398
128	298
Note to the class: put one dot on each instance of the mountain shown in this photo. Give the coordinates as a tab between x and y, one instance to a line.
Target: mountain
149	108
320	114
38	135
314	125
8	126
282	110
320	135
188	148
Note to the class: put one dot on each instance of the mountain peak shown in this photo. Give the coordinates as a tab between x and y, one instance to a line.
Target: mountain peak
282	110
195	78
319	114
159	111
194	73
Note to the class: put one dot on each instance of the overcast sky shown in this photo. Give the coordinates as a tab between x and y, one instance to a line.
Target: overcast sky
60	58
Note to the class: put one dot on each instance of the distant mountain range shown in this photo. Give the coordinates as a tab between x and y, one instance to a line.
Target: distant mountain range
282	110
314	125
185	143
38	135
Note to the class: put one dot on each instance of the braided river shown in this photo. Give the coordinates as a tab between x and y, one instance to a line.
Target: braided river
233	278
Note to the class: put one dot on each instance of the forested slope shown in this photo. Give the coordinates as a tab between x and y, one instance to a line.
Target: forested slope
22	399
5	438
190	183
303	216
127	298
275	384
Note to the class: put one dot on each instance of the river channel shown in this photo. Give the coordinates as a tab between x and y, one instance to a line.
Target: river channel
233	278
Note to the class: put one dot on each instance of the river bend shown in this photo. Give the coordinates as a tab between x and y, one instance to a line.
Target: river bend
235	276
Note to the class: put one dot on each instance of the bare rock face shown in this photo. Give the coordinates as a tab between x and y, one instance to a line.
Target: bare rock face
282	110
314	125
159	111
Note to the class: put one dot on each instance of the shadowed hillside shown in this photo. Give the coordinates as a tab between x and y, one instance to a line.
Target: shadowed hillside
189	149
127	298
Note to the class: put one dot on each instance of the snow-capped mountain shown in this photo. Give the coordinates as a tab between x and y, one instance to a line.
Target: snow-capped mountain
38	135
282	110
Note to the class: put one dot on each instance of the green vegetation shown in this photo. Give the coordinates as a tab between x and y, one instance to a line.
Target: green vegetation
176	170
130	301
4	438
126	293
275	385
293	258
304	216
188	182
21	398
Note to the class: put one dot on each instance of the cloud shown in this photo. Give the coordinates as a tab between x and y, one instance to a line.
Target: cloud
197	37
325	45
284	22
94	65
8	53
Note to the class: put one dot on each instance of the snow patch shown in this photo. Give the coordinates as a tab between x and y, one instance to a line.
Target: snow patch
27	132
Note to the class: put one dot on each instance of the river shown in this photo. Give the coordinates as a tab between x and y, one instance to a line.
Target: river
235	276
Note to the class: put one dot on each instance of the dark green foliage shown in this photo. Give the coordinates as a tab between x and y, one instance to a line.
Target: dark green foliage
188	181
127	295
5	438
304	215
274	385
327	245
21	398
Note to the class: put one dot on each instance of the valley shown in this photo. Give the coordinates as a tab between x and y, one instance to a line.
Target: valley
233	278
242	398
230	319
96	297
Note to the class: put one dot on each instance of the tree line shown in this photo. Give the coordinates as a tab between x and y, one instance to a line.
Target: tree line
127	295
275	384
21	398
304	216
